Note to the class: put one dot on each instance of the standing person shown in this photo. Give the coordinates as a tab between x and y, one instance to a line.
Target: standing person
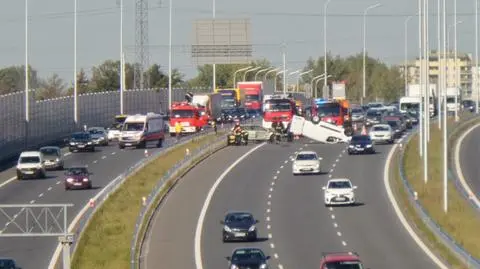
214	125
178	130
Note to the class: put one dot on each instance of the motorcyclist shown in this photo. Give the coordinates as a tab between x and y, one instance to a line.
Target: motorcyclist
237	129
279	128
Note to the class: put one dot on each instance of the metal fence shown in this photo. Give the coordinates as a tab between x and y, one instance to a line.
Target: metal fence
448	241
52	120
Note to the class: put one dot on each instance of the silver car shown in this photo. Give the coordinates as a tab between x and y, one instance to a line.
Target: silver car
99	135
382	133
53	157
306	162
258	133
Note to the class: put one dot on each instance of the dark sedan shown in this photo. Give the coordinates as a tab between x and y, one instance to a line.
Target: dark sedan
397	127
77	178
361	144
81	141
239	226
373	116
243	258
230	115
7	263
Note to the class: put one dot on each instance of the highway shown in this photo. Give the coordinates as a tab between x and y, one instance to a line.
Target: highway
295	227
105	164
469	153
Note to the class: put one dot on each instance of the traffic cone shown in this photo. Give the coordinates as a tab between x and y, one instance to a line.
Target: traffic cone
355	127
187	152
144	201
91	203
146	153
364	130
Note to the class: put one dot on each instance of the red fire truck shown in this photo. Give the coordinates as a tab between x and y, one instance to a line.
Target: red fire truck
334	111
278	108
187	115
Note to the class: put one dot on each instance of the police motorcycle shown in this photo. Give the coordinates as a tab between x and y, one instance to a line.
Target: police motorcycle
237	137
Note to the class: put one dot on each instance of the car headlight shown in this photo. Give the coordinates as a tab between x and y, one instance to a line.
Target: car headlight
263	266
72	143
233	266
317	165
227	229
252	228
69	180
85	180
350	146
295	166
328	194
89	143
57	159
369	146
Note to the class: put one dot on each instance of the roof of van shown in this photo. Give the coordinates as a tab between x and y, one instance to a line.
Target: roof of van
141	117
30	154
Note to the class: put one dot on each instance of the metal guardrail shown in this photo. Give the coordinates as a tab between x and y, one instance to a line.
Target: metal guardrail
144	218
427	220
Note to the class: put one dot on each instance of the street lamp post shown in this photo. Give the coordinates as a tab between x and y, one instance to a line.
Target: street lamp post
445	142
235	75
269	72
170	55
325	6
293	73
313	83
405	67
214	66
455	64
441	65
75	80
122	64
365	47
299	76
261	71
477	82
248	71
320	79
275	80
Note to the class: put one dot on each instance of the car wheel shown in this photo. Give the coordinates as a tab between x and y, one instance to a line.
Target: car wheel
120	146
19	177
67	188
90	186
254	238
224	239
61	167
160	143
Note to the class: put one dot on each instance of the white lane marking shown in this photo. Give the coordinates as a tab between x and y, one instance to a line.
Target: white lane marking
273	183
337	160
271	189
281	167
269	203
278	172
270	236
268	226
343	151
399	213
330	208
300	148
333	216
40	195
330	175
15	216
335	225
272	245
95	161
206	204
280	266
7	181
275	177
458	167
268	218
113	153
58	182
339	233
268	210
104	157
269	196
331	170
275	255
6	224
286	161
32	202
344	243
334	164
66	154
49	189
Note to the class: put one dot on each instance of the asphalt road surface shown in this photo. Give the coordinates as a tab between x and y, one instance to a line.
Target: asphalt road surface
295	227
469	154
34	253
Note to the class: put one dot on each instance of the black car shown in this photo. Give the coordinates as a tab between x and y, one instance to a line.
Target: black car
232	114
248	258
407	121
396	127
81	141
239	226
468	105
6	263
373	116
361	144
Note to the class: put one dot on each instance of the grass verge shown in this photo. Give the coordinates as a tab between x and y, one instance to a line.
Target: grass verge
461	222
106	241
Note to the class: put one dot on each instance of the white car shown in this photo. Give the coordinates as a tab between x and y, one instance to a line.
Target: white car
382	133
31	164
339	191
306	162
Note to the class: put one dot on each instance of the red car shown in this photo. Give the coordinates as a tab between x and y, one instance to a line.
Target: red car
77	178
341	260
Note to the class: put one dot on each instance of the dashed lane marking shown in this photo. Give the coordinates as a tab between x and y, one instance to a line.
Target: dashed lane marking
335	225
269	203
113	153
269	196
104	157
339	233
268	218
281	167
337	160
275	255
280	266
270	236
333	216
66	154
275	177
268	226
40	195
95	161
271	189
273	183
58	182
49	189
32	202
331	170
278	172
268	210
334	164
344	243
330	208
330	175
272	245
285	161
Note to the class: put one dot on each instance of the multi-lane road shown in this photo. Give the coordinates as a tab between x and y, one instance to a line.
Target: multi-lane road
105	164
295	227
469	153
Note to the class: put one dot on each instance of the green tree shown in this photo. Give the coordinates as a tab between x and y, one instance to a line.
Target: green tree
158	79
12	79
106	77
52	87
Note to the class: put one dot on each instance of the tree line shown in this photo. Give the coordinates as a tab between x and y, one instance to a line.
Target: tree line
382	81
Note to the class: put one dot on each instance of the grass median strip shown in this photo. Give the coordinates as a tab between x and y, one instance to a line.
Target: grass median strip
106	240
462	222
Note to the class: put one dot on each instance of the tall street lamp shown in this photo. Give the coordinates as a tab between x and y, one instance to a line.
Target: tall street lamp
235	75
324	78
325	6
275	80
365	46
314	83
248	71
261	71
299	76
405	67
269	72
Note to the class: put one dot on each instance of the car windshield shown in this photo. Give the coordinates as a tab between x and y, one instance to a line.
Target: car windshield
247	255
183	113
239	217
450	100
77	171
96	131
380	128
343	265
277	106
332	109
361	138
228	103
375	105
7	264
392	124
306	157
49	151
357	111
31	159
409	106
81	136
339	185
133	126
251	98
374	113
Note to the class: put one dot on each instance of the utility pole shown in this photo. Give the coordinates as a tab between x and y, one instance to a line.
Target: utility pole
440	64
455	66
214	66
425	91
445	142
284	56
477	82
420	59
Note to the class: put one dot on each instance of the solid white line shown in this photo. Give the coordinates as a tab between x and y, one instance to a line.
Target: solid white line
208	199
398	212
458	167
7	181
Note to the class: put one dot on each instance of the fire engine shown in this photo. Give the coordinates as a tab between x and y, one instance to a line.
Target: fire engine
188	115
334	111
278	108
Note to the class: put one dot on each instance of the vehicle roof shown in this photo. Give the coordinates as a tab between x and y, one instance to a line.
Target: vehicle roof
381	125
82	133
339	180
337	257
237	212
30	154
306	152
245	248
50	147
96	127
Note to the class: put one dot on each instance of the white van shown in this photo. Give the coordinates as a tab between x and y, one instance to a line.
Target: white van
141	130
31	164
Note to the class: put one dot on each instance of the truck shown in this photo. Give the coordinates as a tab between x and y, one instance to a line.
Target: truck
453	99
278	108
230	97
188	115
251	94
415	92
209	106
334	111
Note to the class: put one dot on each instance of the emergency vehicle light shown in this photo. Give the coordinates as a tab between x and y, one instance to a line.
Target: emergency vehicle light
320	101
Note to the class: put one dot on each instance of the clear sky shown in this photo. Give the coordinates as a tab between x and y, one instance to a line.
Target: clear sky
299	23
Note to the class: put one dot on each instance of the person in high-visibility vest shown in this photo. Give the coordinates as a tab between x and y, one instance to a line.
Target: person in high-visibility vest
214	125
178	129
